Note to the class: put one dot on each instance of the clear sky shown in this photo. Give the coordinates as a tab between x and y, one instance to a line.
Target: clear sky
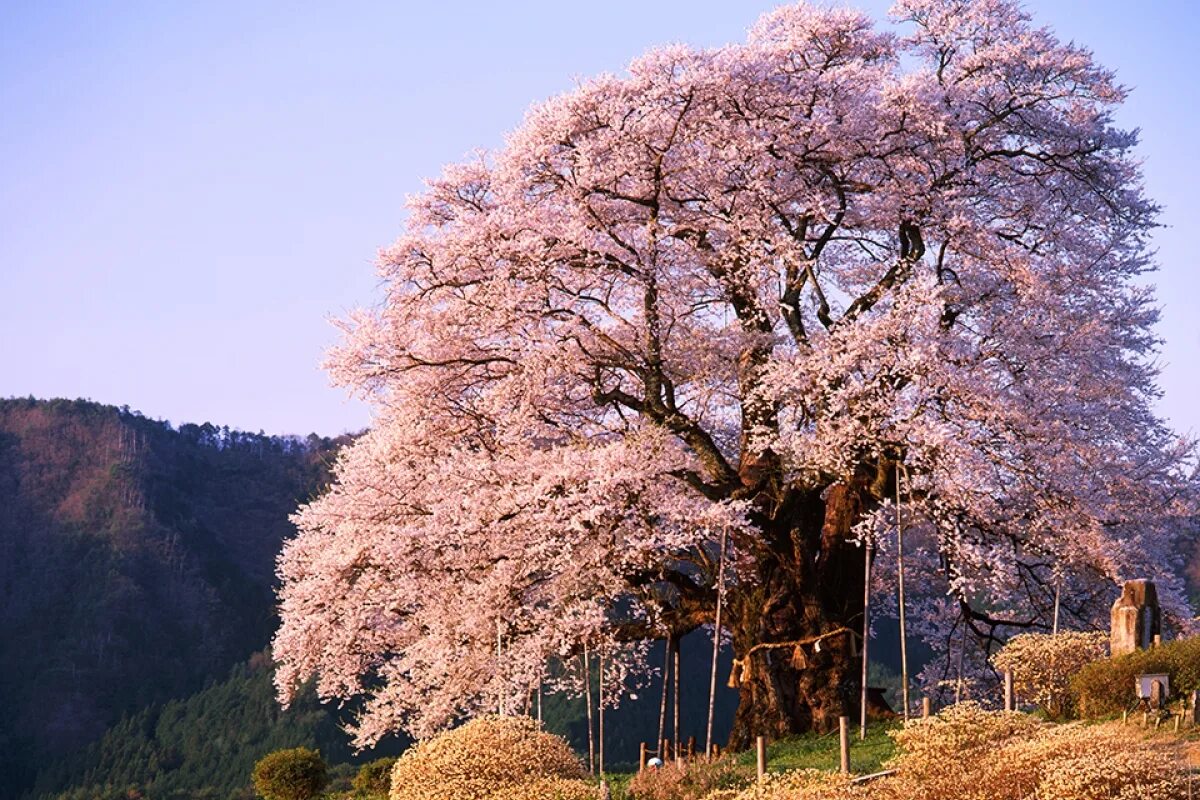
190	191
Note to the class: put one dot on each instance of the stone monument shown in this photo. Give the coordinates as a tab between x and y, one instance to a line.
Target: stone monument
1136	618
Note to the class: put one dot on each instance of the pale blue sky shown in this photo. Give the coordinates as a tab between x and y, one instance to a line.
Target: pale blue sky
188	191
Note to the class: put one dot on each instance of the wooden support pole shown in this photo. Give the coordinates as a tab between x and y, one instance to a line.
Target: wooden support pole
691	748
678	733
844	737
600	681
1057	597
499	661
1009	700
641	756
662	708
862	732
760	753
587	682
926	707
900	594
712	680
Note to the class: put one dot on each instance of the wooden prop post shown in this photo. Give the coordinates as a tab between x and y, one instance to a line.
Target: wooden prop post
1057	598
844	740
900	592
662	708
926	707
1009	699
587	682
760	753
678	734
712	681
600	681
862	733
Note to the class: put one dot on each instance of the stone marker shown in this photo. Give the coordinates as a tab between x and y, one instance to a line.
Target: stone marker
1136	618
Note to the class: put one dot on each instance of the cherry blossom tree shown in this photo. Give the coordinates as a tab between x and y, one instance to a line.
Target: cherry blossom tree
740	290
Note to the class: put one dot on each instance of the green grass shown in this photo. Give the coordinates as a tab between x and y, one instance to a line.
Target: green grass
809	751
815	751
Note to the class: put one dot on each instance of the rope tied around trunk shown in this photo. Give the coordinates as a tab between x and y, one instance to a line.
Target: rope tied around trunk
741	666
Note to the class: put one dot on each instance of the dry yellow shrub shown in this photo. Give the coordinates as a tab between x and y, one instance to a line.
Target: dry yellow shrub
483	758
946	755
1112	762
974	754
804	784
695	780
1043	665
548	789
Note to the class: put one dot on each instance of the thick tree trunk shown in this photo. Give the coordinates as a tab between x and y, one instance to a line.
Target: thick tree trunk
809	583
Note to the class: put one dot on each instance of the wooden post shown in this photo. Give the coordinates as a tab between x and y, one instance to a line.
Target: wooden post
539	701
1009	700
587	682
1057	596
1157	640
712	680
678	734
900	592
662	708
691	748
844	735
1125	717
926	707
760	753
665	752
641	756
862	732
600	687
499	661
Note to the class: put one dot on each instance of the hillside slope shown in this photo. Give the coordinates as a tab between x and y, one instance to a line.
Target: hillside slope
136	563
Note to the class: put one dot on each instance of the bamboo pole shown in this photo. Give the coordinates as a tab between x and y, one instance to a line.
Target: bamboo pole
587	680
600	682
900	584
678	733
962	650
499	658
712	681
862	732
662	709
1057	596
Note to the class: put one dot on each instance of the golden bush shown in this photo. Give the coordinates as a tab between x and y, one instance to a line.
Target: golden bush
980	755
695	780
1043	665
548	789
803	784
946	754
483	758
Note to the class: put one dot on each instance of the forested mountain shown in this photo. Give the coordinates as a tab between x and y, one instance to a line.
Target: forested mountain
200	748
136	563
